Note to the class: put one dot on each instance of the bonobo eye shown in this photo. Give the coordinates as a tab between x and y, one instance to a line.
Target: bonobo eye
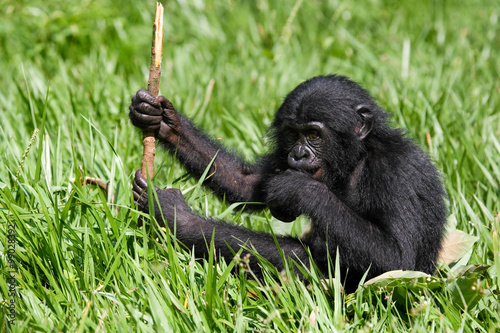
313	135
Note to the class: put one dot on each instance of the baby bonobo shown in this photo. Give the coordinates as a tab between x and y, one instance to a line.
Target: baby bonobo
369	191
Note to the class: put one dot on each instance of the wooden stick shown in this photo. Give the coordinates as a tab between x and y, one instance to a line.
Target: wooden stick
149	151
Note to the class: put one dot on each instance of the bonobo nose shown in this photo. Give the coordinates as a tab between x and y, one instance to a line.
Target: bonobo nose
297	156
299	152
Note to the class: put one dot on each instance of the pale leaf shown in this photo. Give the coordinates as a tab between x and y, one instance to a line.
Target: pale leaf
390	276
456	244
312	318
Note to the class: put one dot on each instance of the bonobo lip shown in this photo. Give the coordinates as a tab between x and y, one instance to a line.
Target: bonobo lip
316	173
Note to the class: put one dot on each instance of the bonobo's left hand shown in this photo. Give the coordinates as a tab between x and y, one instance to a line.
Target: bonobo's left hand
291	193
172	203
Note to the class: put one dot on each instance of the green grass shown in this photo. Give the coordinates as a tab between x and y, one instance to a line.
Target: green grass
69	70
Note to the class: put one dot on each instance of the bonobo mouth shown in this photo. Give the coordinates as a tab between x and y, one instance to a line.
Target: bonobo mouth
316	173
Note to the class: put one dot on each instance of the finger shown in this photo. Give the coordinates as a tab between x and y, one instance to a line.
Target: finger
145	126
139	196
138	191
139	119
141	201
145	96
139	185
147	108
170	114
165	103
140	179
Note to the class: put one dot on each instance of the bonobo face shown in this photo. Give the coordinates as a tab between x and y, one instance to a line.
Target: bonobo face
304	144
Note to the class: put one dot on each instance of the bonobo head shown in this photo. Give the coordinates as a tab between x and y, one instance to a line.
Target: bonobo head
323	125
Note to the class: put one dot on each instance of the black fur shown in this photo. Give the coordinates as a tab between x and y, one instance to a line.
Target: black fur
369	191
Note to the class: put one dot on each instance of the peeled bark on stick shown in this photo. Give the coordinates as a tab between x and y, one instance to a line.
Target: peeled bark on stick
148	154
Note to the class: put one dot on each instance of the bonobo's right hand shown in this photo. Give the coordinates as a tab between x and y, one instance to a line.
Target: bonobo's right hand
156	114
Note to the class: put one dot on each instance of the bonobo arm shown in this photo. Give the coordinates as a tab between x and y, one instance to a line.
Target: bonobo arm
229	176
194	231
361	243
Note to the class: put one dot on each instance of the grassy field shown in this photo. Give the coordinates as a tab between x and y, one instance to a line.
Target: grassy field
73	258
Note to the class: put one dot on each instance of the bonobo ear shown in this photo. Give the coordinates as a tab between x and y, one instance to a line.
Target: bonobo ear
364	127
